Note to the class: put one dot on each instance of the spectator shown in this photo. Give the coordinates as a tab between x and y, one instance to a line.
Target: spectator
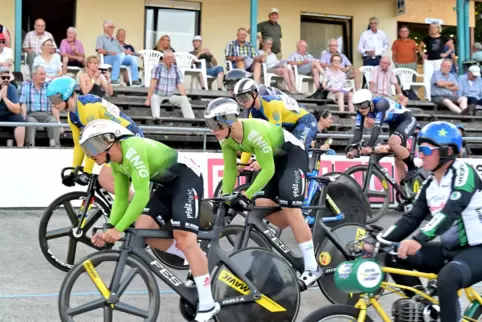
165	79
381	80
307	64
10	110
404	50
270	59
444	87
94	80
243	55
470	86
271	29
350	71
466	151
335	84
121	38
6	33
49	60
37	108
373	43
164	43
325	121
114	55
34	40
6	54
72	51
433	57
477	55
451	56
212	67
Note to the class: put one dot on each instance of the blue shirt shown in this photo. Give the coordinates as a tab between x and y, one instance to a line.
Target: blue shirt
441	91
469	91
12	95
36	100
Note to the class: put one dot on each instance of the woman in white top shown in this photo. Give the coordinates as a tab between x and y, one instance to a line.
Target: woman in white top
334	83
49	60
270	59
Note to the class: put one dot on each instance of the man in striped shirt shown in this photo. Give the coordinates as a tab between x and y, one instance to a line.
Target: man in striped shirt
382	78
34	40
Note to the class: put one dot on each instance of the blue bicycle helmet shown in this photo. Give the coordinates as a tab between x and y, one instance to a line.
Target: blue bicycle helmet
443	135
60	89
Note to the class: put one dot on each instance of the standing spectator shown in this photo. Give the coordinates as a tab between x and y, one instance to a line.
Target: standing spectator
451	55
212	67
466	151
242	54
324	121
10	110
477	55
37	108
165	79
306	63
114	55
404	50
381	80
49	60
271	29
373	43
435	54
444	86
6	33
34	39
335	84
164	43
470	86
72	51
94	80
6	54
350	71
270	59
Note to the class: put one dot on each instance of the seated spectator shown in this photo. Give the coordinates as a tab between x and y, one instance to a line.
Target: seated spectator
49	60
466	152
444	88
325	121
270	59
6	54
10	110
212	67
128	49
470	86
6	33
37	108
72	50
381	80
346	66
165	79
114	55
477	55
94	80
164	43
307	64
34	40
335	81
243	56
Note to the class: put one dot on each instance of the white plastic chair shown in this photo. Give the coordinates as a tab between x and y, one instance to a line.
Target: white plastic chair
74	70
187	63
303	78
406	76
268	77
151	59
122	67
366	71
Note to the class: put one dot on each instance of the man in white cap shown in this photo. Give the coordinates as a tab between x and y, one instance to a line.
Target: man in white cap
470	86
271	29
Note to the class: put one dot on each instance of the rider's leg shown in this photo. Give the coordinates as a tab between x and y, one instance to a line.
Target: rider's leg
278	218
401	171
106	181
395	143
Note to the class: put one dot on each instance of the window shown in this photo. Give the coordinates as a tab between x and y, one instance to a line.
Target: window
179	24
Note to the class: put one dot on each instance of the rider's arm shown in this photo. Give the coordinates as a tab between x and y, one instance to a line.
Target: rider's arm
464	187
377	128
229	173
359	125
411	220
78	152
245	156
265	159
121	201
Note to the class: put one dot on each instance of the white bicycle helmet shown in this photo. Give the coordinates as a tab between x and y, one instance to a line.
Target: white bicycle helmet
99	136
221	112
362	98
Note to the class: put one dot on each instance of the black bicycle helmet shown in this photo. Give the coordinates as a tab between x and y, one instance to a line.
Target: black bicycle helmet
234	76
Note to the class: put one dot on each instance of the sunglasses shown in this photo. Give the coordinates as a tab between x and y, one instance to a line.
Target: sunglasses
2	41
427	150
363	105
325	114
5	77
244	97
218	122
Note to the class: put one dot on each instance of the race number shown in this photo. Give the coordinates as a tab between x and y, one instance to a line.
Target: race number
111	108
291	104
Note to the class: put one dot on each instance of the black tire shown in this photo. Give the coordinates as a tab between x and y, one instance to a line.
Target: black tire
376	214
103	210
336	311
109	256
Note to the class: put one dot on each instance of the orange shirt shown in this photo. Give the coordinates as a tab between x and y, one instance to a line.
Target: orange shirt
404	51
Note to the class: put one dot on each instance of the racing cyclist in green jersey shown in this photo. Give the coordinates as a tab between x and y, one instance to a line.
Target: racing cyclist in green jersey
283	162
176	201
453	196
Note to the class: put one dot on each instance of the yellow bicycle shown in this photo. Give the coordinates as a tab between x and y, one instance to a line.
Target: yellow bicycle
366	276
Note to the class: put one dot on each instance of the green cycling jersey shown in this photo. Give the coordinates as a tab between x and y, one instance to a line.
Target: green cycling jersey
143	160
263	139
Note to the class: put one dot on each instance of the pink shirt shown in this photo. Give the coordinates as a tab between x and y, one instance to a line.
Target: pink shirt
65	47
383	81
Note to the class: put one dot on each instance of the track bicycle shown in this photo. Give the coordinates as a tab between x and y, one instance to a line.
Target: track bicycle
405	191
252	284
365	276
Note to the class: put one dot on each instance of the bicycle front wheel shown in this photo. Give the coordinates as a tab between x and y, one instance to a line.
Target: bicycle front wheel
335	313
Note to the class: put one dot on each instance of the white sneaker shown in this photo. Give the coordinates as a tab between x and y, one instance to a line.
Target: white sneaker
205	316
309	277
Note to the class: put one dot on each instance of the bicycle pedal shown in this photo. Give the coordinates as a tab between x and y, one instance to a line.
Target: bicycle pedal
302	286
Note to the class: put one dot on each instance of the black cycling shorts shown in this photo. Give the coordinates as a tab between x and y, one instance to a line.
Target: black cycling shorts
178	201
288	184
403	127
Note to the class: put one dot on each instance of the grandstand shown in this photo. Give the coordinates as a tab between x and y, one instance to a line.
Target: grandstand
131	100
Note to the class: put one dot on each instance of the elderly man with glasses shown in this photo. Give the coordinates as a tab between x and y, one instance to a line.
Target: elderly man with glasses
10	109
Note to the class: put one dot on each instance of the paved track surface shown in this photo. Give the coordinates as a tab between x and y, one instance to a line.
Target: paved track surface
29	285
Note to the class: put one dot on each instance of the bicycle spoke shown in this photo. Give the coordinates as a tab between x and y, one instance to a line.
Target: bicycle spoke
87	307
132	310
87	241
71	213
126	281
57	233
92	220
71	251
108	313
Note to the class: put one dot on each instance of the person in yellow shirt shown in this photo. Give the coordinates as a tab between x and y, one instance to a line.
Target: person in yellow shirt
83	109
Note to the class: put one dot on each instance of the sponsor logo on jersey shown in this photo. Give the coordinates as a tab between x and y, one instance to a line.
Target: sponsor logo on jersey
192	226
462	175
455	195
192	204
299	183
135	159
258	140
432	224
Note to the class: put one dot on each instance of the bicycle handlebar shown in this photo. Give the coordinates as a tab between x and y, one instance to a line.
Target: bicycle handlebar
357	145
76	171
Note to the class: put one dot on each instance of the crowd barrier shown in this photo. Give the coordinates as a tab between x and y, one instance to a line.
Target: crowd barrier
30	178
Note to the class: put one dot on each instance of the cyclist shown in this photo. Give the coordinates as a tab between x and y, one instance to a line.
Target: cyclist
144	160
401	123
452	195
81	110
281	180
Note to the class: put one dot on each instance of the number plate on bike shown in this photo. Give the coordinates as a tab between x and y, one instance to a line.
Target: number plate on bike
359	276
